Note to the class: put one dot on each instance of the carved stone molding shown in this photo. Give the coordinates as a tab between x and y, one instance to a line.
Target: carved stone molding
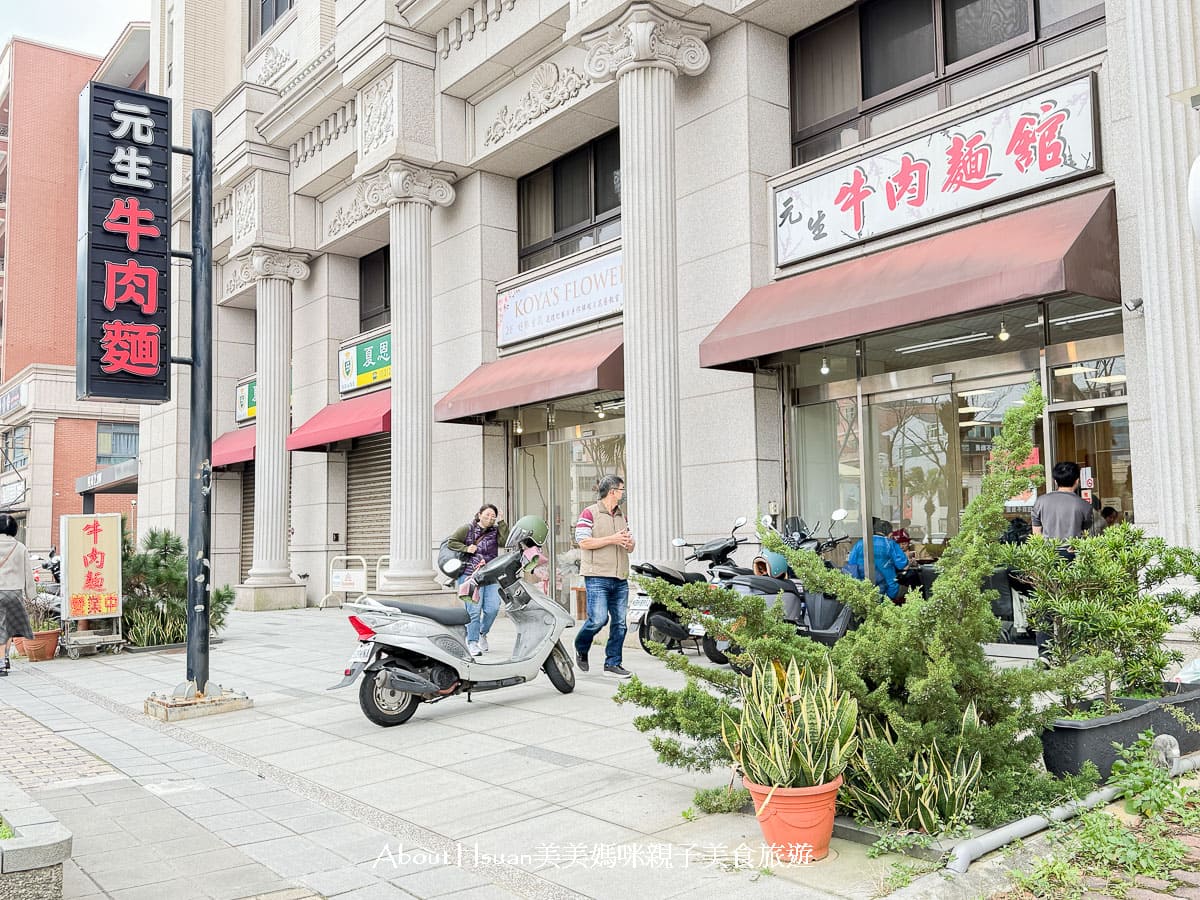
550	88
296	80
261	263
474	18
370	194
400	183
245	209
411	183
645	36
378	114
274	62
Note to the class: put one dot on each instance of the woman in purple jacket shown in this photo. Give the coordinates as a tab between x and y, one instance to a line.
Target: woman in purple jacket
481	539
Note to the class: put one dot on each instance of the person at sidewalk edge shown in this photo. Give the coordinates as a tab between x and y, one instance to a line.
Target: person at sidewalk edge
1062	514
605	543
482	538
16	586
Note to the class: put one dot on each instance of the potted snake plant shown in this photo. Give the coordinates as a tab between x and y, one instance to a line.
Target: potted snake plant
793	738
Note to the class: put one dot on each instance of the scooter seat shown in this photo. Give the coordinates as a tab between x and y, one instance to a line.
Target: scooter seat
667	573
439	614
759	584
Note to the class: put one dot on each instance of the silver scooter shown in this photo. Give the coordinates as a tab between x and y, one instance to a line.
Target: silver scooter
410	654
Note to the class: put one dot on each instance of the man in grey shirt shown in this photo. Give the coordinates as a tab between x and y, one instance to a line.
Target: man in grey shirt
1062	514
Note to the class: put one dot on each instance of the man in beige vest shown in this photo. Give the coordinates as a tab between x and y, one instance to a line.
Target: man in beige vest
605	543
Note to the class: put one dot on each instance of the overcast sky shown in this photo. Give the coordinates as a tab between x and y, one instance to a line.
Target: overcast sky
89	26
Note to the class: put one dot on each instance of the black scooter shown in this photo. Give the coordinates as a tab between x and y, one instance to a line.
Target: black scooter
656	623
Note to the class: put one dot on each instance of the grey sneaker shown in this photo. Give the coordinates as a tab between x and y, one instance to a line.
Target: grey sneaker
581	662
617	672
483	644
474	648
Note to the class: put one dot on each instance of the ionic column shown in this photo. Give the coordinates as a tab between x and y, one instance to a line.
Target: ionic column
1163	51
274	273
412	194
645	50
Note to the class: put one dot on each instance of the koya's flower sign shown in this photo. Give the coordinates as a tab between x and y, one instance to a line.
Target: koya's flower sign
1045	138
583	293
91	565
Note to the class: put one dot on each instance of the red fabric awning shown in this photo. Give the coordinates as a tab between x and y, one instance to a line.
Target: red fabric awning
234	447
578	366
1069	245
369	414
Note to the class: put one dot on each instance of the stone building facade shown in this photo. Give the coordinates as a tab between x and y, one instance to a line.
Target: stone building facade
488	251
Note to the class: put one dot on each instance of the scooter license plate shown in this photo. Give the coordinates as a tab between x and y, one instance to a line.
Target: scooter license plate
362	654
696	630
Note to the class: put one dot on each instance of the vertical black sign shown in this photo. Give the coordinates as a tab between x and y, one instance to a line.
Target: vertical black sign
123	328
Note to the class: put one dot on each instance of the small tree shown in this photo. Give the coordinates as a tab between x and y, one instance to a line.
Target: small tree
1108	610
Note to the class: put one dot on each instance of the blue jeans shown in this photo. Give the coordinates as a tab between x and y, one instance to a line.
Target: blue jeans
483	613
607	604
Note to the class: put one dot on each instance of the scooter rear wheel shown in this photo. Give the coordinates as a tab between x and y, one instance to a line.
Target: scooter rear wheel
559	670
648	633
381	704
709	645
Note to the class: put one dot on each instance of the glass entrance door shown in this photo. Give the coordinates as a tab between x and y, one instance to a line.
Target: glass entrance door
1098	438
555	479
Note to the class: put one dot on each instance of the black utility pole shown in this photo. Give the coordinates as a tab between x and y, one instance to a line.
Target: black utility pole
200	460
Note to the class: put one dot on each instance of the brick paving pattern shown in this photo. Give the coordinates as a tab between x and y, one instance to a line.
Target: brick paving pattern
35	757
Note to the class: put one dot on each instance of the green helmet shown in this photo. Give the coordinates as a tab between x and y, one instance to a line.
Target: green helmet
528	530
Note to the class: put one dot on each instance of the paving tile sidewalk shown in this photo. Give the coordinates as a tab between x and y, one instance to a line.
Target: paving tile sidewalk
522	792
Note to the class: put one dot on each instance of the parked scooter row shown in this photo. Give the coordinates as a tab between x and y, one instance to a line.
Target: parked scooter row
656	623
816	615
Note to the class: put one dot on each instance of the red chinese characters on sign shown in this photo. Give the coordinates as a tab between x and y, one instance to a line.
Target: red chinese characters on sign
1036	138
82	605
967	162
853	196
130	347
129	282
128	218
95	595
910	184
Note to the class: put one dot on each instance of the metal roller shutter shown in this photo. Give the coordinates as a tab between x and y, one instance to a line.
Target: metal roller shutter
368	498
247	549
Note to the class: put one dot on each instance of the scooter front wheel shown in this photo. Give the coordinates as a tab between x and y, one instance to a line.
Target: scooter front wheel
381	704
647	633
559	670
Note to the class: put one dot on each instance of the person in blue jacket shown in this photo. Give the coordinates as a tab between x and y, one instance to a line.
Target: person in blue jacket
888	557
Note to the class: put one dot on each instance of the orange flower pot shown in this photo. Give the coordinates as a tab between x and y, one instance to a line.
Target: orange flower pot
796	822
42	646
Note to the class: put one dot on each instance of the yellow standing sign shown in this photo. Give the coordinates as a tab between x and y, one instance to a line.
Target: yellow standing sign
91	565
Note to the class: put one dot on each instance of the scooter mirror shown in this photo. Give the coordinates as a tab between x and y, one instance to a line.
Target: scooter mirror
767	521
739	522
678	542
452	567
838	515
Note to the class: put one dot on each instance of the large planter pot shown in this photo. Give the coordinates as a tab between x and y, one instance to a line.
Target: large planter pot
1069	743
42	646
796	822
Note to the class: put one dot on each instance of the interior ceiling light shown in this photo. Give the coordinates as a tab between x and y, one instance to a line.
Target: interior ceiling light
1109	379
1077	369
972	409
517	429
1003	335
599	409
970	424
824	365
946	342
1087	409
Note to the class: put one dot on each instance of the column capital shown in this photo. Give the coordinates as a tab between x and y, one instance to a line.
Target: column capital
646	36
262	262
404	182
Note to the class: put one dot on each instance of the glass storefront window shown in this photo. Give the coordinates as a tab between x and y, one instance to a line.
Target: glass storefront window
826	437
1076	318
914	483
981	413
1002	330
838	362
1089	379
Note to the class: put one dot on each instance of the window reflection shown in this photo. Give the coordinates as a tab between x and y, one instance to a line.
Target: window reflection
1089	379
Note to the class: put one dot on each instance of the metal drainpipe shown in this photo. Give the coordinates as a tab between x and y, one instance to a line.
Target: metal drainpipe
968	851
